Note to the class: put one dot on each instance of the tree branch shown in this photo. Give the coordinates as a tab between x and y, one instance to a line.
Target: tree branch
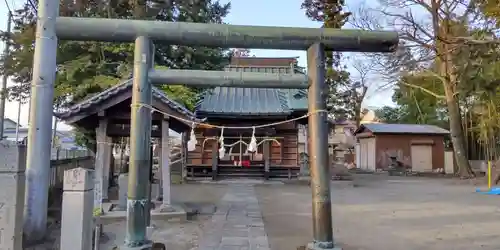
424	90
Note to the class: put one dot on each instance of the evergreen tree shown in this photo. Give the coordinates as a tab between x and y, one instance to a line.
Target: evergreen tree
85	68
332	15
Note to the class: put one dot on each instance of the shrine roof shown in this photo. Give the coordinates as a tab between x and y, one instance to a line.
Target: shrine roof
92	104
231	101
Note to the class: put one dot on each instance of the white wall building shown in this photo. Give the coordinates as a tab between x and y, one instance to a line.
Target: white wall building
64	139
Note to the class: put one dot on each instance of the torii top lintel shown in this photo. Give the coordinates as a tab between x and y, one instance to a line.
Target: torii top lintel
224	35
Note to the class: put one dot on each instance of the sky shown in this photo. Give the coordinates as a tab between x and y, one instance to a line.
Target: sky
255	12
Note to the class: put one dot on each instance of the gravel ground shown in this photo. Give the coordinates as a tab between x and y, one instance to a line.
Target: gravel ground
181	236
175	235
387	213
379	213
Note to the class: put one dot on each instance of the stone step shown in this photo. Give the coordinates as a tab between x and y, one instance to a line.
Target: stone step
238	169
241	174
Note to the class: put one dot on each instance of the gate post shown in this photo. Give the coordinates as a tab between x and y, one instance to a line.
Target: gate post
140	135
318	129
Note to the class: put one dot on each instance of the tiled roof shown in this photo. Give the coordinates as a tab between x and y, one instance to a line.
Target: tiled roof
379	128
254	101
250	101
96	100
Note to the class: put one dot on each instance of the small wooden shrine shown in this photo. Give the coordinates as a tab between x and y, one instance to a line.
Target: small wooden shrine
276	154
108	113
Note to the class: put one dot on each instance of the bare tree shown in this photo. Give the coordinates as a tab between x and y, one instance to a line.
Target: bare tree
359	89
432	34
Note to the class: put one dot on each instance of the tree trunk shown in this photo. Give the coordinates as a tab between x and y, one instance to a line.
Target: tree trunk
357	114
448	72
457	135
455	119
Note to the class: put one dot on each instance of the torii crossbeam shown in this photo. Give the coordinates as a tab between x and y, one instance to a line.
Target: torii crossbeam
314	40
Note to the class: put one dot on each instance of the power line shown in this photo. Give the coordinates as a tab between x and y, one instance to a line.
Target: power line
30	2
3	97
8	7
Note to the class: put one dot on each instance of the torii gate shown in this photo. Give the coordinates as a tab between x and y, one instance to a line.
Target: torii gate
314	40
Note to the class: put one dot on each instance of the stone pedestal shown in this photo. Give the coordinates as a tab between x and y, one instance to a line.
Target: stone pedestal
165	208
122	192
12	184
314	246
77	208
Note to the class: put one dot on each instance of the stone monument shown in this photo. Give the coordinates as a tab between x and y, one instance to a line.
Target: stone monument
77	209
122	192
304	166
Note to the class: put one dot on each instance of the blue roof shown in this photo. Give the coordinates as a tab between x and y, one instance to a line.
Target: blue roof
232	101
251	101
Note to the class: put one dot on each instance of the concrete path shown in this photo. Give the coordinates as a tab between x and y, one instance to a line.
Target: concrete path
237	224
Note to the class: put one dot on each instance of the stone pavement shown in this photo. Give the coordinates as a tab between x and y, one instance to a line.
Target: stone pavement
237	224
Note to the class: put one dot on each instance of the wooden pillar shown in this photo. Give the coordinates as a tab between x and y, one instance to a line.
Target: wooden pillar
108	153
282	151
112	168
102	162
306	142
267	158
165	163
215	159
159	190
185	155
241	150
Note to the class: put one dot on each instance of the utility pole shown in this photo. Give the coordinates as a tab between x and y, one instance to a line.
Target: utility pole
3	92
19	104
39	131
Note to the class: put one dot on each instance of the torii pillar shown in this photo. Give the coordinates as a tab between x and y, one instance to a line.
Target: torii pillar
165	170
320	170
